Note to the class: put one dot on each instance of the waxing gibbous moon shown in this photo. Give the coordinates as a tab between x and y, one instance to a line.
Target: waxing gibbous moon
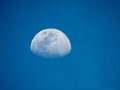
50	43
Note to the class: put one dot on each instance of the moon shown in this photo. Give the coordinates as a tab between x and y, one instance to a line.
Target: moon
50	43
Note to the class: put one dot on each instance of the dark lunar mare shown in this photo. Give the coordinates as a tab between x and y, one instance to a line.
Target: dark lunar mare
44	43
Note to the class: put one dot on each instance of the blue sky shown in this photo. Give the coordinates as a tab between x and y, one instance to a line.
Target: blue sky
93	27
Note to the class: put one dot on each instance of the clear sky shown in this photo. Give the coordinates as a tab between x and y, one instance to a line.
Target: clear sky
93	27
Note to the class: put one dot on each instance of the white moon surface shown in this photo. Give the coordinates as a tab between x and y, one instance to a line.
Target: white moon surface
50	43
